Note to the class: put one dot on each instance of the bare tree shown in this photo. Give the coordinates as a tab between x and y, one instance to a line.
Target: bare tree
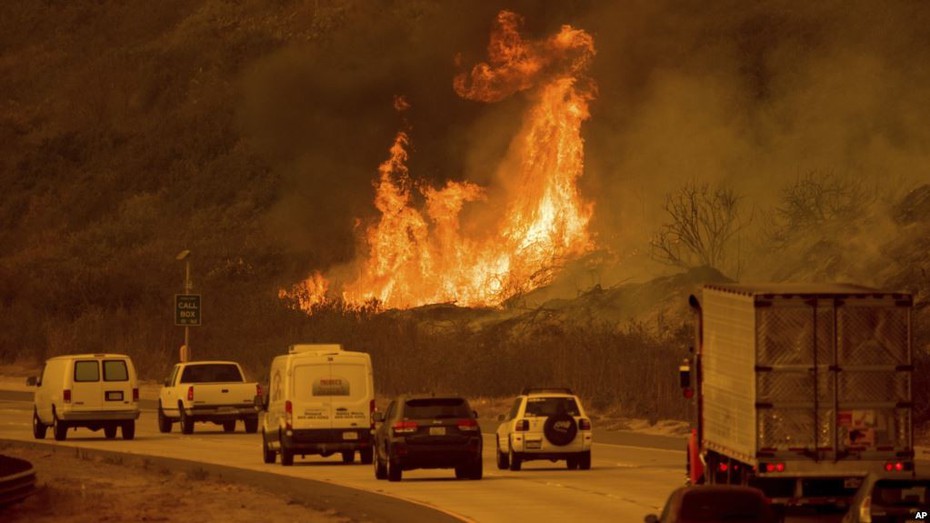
703	222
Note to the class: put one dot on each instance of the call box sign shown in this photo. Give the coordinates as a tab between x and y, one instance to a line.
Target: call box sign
187	310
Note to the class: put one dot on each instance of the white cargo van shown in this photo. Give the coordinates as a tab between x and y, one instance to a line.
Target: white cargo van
95	391
320	401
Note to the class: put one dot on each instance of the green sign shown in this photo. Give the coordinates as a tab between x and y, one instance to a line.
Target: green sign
187	310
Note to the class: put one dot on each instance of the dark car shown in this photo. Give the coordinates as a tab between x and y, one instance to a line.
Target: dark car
427	432
890	500
715	503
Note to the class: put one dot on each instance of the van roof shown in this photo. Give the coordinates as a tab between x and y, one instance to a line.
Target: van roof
301	348
211	362
97	355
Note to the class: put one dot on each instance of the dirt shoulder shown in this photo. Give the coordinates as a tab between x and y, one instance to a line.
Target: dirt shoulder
76	486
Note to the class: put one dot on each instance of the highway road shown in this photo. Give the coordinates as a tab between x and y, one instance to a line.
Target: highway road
625	483
629	478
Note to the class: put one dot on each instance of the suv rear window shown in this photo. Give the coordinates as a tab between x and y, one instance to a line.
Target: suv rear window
115	370
551	406
436	408
86	371
900	493
212	373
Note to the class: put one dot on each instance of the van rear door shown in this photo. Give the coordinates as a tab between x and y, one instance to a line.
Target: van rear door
116	385
311	407
86	388
350	392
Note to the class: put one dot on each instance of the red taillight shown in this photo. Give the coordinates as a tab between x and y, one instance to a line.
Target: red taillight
258	389
190	393
135	394
584	424
774	467
722	467
522	425
899	466
404	427
288	414
688	392
67	396
468	425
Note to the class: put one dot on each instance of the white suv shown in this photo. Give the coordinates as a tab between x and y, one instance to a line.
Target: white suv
548	424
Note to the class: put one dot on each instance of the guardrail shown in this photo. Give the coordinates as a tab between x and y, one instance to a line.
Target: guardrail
17	480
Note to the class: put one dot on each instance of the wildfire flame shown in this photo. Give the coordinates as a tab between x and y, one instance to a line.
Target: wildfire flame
421	256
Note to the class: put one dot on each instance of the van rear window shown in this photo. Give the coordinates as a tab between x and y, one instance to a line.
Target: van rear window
115	370
85	371
212	373
436	408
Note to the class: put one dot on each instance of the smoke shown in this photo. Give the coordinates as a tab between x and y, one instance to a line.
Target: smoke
750	95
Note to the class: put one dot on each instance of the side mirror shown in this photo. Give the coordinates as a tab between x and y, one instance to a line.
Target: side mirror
651	518
377	417
502	417
684	378
475	412
32	381
168	381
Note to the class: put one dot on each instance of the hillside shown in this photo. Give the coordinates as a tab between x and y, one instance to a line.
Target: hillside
251	133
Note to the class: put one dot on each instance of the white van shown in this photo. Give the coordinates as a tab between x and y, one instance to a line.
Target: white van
95	391
320	401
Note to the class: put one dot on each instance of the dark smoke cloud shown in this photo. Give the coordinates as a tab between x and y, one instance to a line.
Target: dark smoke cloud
750	94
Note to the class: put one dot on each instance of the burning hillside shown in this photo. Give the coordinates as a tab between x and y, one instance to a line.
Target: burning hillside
421	252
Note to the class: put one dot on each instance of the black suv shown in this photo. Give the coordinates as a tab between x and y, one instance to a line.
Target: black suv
427	432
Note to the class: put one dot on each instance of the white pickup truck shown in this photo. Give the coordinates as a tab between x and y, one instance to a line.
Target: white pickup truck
214	391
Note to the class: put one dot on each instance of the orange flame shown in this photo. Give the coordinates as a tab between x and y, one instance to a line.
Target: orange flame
416	257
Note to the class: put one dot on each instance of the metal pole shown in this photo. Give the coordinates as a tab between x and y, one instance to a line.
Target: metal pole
187	290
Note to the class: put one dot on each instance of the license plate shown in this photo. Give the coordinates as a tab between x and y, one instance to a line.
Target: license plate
350	435
114	395
437	431
534	445
852	483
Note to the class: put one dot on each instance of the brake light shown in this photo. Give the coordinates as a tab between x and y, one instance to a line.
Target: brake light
522	425
288	415
468	425
190	393
404	427
584	424
898	466
67	396
135	394
722	467
773	467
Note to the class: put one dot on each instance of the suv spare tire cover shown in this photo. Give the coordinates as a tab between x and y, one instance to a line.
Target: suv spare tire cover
560	429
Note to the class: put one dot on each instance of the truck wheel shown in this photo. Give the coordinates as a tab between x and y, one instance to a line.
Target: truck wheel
187	424
38	428
503	460
515	460
164	424
365	456
129	429
394	472
348	456
571	463
476	470
229	426
381	471
251	425
109	431
584	462
268	455
287	455
60	428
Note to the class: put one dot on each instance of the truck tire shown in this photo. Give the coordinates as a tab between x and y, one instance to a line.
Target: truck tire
584	462
129	429
187	424
560	429
287	455
515	460
268	455
60	428
38	428
164	424
365	456
503	460
109	431
348	456
251	425
229	426
395	473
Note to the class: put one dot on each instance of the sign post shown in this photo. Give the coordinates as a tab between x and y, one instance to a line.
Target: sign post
186	307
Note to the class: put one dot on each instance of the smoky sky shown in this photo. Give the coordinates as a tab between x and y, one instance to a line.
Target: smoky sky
751	94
